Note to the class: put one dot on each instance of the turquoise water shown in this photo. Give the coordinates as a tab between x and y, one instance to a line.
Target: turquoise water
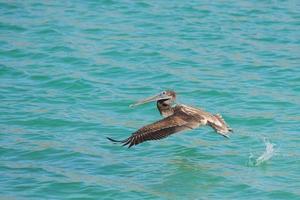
69	70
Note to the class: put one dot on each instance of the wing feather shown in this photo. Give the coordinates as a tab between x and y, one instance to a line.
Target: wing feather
184	117
219	125
158	130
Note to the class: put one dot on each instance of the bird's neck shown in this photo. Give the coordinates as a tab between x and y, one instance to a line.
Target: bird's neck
165	108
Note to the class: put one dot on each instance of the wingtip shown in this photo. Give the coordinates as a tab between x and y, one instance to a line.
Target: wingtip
130	145
110	139
117	141
226	136
124	142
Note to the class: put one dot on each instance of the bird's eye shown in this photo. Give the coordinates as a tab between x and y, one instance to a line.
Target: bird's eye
164	92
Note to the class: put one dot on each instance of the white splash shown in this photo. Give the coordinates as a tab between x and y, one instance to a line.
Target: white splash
267	154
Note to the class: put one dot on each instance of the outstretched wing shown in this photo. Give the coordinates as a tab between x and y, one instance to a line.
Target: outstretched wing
179	121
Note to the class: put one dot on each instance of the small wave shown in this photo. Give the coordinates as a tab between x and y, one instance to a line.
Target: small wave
265	156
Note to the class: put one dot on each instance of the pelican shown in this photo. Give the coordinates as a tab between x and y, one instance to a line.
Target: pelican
177	117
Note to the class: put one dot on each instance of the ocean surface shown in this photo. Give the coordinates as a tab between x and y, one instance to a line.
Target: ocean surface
69	70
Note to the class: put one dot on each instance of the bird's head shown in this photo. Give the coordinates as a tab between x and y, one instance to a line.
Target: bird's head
167	97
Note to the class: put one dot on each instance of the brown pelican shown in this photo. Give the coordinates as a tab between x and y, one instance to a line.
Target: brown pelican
178	117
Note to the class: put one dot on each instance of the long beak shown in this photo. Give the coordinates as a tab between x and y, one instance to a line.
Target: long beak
150	99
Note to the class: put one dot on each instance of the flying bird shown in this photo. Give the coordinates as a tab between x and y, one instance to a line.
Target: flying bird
177	117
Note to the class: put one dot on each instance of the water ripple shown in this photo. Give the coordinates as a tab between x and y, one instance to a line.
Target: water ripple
69	70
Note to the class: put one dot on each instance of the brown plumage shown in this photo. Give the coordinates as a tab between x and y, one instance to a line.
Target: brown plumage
177	118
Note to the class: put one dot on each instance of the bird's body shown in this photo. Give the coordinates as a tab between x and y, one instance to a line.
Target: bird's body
177	118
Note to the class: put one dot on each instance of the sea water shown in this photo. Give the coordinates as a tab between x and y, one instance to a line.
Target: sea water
70	69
